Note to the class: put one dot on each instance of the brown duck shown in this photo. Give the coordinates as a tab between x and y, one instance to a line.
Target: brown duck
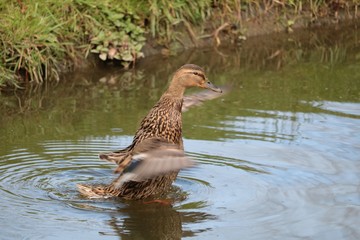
150	164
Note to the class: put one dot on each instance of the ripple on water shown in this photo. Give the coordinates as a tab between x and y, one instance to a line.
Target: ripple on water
53	172
348	109
54	169
264	181
274	181
261	125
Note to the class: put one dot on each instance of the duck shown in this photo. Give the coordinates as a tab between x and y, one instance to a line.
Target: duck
151	163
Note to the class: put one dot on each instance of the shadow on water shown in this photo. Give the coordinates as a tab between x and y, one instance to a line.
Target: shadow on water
277	156
143	220
154	222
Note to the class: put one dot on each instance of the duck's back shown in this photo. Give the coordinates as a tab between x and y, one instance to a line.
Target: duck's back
163	121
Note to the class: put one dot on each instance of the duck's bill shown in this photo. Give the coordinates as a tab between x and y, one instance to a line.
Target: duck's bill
212	87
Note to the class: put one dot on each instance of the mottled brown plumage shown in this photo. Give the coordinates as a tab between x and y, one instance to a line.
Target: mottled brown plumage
158	138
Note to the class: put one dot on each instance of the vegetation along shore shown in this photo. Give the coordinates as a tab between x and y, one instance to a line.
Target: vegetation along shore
41	40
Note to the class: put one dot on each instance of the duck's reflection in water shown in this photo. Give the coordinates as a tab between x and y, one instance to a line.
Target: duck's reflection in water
155	221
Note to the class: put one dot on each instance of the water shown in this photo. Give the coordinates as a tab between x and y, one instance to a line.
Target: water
278	156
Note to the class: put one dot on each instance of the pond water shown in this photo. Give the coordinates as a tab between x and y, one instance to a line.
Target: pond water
278	156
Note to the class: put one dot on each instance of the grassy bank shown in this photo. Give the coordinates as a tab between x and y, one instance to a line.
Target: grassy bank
39	40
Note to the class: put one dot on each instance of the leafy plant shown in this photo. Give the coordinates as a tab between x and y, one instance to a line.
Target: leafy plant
121	40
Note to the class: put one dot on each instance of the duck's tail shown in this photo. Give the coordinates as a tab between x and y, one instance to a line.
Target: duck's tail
93	191
116	157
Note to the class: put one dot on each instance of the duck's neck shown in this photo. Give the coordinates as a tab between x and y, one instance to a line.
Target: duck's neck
175	90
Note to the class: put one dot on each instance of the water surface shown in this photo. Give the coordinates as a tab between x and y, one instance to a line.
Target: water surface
278	156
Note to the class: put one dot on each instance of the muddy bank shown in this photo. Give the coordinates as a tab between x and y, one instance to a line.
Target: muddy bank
228	33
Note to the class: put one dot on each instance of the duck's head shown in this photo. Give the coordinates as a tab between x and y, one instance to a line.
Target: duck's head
191	75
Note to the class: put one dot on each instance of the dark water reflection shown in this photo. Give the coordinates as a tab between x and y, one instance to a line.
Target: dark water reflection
278	156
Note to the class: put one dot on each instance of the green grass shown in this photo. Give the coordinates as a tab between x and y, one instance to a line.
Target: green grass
41	39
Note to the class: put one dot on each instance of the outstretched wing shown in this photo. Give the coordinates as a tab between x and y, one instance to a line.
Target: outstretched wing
154	158
196	99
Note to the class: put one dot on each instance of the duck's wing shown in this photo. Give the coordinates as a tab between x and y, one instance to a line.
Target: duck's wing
143	166
159	158
196	99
